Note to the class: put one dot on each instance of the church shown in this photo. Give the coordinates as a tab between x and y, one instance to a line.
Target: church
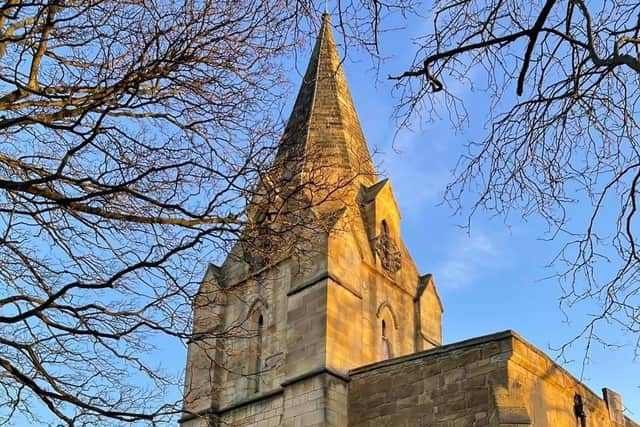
331	323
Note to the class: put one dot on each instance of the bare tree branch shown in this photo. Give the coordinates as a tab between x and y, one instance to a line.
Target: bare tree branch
133	136
566	143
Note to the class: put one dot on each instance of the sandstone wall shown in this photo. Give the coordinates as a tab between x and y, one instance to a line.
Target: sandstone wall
221	371
497	380
318	399
362	295
262	413
444	387
263	295
547	391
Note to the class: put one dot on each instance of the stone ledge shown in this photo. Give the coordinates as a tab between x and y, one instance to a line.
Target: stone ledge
220	411
308	283
435	352
315	372
318	279
264	396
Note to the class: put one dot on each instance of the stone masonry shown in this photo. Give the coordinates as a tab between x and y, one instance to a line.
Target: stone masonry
337	327
495	380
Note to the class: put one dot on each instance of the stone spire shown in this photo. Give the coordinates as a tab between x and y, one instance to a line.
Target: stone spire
323	135
339	290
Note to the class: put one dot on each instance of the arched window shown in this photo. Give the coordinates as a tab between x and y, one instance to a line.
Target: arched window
387	327
258	353
578	409
385	343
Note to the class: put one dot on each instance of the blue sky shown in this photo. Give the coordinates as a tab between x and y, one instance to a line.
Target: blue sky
491	277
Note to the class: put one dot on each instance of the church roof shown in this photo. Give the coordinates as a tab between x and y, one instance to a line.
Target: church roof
370	193
323	128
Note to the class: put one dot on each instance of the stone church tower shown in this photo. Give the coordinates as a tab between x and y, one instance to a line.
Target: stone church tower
342	329
358	299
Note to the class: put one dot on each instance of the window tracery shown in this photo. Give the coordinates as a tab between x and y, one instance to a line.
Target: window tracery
388	250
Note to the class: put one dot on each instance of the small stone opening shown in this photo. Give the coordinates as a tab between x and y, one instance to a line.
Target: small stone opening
258	354
578	410
386	343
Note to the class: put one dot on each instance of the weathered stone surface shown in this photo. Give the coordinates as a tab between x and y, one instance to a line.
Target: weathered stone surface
348	332
497	380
